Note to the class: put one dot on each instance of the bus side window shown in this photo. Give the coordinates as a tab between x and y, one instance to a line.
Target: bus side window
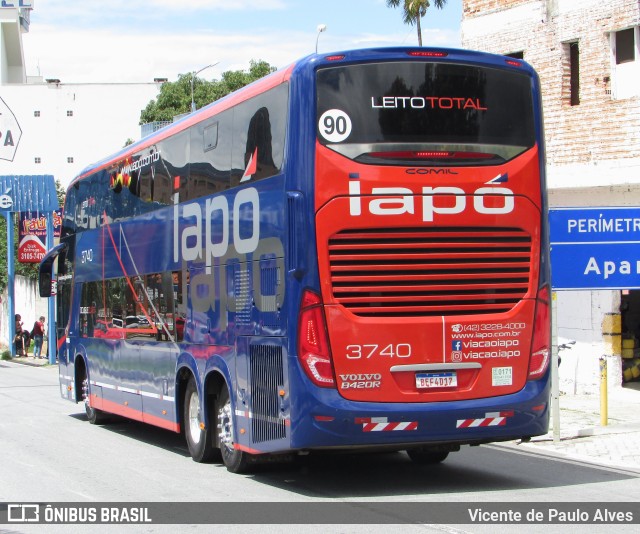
90	304
81	205
95	194
172	164
146	178
258	136
210	137
210	170
68	214
160	304
180	306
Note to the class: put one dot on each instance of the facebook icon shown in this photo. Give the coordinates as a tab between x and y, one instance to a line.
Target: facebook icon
456	345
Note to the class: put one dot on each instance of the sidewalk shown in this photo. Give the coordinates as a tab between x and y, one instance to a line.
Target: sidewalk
30	360
582	436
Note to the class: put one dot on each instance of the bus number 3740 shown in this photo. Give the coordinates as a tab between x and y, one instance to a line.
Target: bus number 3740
371	350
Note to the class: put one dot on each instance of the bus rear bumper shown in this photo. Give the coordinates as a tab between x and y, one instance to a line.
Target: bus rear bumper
330	424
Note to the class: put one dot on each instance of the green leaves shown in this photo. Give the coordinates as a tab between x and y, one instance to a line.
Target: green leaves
175	97
414	10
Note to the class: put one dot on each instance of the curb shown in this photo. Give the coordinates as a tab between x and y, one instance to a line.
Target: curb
590	431
601	463
32	363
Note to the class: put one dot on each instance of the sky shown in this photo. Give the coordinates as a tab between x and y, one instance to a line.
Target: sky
101	41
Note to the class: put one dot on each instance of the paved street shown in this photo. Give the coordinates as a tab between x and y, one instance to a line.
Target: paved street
582	436
57	456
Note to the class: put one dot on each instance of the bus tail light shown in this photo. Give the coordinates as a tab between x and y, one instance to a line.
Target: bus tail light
313	343
541	344
427	53
430	155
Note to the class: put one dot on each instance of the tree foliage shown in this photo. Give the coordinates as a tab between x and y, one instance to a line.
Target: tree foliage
414	10
28	270
175	97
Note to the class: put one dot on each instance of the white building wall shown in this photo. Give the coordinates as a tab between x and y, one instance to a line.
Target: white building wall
11	51
103	117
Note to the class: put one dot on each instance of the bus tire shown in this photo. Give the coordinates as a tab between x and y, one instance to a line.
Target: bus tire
235	461
94	416
198	436
426	456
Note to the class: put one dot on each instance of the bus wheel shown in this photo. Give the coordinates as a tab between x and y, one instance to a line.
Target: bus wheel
234	460
94	416
426	456
197	434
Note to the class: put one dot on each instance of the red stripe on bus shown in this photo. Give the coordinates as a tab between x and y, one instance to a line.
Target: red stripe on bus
131	413
243	448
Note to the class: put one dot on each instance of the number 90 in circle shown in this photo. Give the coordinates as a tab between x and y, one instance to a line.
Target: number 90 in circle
335	125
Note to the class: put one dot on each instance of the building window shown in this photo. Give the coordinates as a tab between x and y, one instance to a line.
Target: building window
36	113
625	63
625	46
38	160
571	68
574	78
69	113
70	160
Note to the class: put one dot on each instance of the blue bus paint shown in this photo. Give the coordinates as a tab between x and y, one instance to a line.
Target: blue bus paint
242	296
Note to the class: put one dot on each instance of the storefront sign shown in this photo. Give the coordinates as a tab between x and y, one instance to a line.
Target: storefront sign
33	235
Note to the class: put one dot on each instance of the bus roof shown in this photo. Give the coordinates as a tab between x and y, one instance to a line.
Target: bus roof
283	75
242	94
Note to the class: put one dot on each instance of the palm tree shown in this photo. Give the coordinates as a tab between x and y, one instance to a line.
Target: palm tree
414	10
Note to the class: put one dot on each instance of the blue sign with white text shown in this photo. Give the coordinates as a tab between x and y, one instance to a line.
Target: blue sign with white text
595	248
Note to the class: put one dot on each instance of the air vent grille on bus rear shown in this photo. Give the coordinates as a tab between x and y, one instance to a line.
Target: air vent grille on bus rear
267	379
408	272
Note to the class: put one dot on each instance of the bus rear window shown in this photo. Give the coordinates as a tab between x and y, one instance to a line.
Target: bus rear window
425	113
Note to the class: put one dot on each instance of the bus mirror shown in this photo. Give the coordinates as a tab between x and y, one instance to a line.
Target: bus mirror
44	278
45	273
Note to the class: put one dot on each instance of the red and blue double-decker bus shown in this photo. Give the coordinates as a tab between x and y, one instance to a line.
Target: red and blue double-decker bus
350	253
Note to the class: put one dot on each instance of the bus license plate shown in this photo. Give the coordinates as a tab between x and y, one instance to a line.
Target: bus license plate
436	380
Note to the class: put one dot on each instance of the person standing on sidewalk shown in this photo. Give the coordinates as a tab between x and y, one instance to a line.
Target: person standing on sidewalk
37	334
18	340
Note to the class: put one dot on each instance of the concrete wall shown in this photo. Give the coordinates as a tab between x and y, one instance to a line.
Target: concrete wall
27	303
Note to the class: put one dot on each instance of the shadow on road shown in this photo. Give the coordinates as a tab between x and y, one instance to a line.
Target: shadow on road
153	435
473	469
348	475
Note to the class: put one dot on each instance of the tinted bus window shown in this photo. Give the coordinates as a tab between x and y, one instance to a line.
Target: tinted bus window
171	166
210	157
145	306
259	126
367	110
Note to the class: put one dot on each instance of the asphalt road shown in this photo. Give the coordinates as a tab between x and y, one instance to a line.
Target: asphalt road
51	454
